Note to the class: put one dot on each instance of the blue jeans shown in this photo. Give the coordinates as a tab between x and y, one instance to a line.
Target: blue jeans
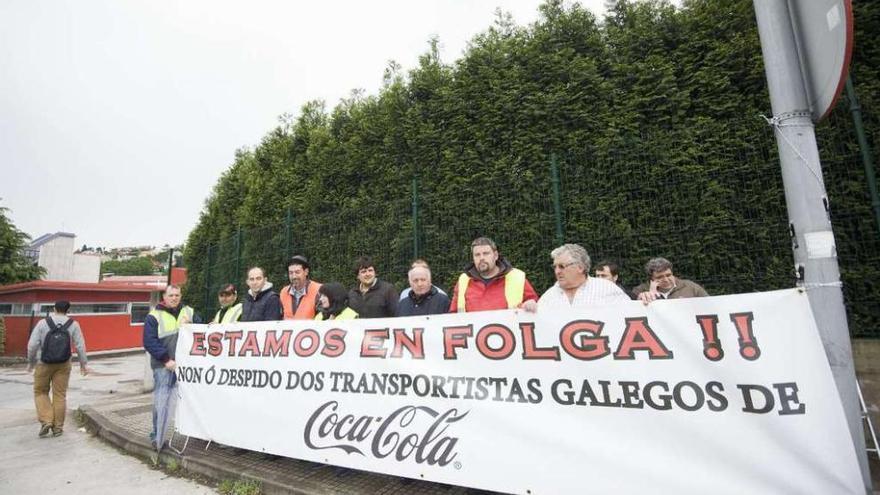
164	401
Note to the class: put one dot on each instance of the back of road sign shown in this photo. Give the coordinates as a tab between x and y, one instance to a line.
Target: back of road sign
824	36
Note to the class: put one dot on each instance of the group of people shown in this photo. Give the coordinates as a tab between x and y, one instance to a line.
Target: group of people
489	282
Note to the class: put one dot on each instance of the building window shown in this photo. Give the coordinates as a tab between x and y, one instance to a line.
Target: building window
139	312
98	308
88	308
15	309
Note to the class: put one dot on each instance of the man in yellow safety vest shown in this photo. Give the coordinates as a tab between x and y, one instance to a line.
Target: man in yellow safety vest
160	340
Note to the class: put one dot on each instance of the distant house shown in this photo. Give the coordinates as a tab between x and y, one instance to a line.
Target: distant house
178	277
56	253
155	280
111	313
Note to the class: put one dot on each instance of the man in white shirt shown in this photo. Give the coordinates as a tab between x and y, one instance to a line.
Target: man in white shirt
574	288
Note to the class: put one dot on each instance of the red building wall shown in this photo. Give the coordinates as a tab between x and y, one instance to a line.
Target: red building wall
17	333
101	331
48	296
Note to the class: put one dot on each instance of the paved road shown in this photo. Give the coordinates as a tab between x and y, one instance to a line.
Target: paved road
81	464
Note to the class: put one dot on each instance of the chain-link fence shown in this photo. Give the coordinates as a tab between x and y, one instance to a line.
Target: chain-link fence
709	199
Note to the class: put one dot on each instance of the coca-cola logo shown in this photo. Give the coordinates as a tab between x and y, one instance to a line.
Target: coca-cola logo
415	432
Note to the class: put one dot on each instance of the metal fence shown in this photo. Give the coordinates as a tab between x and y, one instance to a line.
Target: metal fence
712	204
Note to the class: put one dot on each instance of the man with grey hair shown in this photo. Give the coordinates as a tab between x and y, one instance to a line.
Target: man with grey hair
424	264
663	284
574	287
423	297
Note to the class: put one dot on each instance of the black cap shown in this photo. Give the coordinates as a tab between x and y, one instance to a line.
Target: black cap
227	290
299	260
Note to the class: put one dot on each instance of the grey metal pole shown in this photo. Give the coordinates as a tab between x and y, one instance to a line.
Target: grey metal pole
815	255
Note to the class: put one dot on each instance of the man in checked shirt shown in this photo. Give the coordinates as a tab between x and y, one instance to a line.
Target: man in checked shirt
574	287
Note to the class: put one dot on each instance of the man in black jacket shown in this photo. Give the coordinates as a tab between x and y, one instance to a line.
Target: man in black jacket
260	303
610	271
371	297
423	297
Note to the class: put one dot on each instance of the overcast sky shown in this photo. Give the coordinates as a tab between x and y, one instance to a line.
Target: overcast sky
117	117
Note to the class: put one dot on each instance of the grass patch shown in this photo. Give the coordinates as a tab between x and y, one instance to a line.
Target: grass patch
80	417
172	465
239	487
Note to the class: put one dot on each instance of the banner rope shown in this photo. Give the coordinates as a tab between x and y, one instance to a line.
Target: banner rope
776	122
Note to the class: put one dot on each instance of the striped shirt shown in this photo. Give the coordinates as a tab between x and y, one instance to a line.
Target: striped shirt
594	292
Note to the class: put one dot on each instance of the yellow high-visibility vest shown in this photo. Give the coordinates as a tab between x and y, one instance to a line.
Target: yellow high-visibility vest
514	288
168	324
232	314
345	314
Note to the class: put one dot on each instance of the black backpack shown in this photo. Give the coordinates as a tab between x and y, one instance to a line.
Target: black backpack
56	345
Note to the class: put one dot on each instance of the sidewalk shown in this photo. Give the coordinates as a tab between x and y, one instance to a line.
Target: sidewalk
125	422
76	462
115	408
14	360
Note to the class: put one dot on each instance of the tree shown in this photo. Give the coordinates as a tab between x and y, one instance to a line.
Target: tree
133	266
14	265
650	113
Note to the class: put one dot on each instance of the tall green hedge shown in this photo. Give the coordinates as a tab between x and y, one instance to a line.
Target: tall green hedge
653	114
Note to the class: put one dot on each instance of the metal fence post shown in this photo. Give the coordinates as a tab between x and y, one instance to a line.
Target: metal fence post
415	215
288	226
238	254
557	207
170	265
864	148
208	280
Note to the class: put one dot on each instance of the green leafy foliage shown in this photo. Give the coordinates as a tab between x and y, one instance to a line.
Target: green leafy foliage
14	265
141	265
651	113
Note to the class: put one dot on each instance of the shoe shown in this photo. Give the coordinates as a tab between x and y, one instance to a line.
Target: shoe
57	432
45	430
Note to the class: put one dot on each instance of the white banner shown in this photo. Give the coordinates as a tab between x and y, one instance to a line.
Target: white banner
728	394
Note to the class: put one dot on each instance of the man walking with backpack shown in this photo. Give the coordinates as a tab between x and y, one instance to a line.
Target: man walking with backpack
49	350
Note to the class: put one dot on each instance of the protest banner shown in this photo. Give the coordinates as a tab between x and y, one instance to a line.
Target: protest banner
727	394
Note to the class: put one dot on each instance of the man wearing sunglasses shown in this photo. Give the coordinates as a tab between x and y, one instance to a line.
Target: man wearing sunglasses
574	287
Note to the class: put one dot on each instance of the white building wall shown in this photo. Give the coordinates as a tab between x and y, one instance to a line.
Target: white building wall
61	263
56	256
86	268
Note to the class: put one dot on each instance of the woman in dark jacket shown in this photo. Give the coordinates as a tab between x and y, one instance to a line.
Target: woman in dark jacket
332	303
